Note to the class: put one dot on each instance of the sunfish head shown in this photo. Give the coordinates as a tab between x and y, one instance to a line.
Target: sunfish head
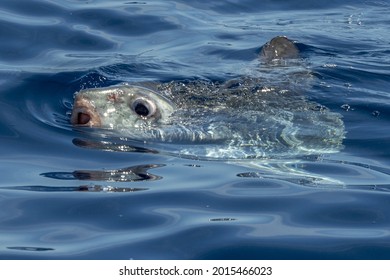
121	106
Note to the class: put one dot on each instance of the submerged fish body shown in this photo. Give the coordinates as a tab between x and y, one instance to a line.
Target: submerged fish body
238	119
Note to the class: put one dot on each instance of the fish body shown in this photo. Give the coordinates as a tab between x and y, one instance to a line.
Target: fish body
240	118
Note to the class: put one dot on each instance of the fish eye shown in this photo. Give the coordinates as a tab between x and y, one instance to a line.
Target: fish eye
143	107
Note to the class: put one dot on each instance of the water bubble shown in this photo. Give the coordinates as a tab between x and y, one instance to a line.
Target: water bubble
346	107
348	85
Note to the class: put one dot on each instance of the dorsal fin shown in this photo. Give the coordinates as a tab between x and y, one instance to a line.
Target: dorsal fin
279	48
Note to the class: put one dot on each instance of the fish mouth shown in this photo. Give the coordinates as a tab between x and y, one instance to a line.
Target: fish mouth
81	117
83	114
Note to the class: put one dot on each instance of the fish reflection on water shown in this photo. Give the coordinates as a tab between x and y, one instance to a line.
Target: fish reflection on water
124	175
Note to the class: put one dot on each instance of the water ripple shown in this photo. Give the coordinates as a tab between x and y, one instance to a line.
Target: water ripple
68	194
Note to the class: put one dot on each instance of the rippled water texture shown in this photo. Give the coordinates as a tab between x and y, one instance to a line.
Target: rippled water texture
67	194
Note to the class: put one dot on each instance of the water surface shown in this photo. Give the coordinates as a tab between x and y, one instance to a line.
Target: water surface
65	197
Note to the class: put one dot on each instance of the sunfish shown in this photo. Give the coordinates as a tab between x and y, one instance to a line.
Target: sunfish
241	118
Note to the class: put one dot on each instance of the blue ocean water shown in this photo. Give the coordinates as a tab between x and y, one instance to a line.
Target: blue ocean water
61	197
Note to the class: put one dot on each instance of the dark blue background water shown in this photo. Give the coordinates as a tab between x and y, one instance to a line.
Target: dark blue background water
61	200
